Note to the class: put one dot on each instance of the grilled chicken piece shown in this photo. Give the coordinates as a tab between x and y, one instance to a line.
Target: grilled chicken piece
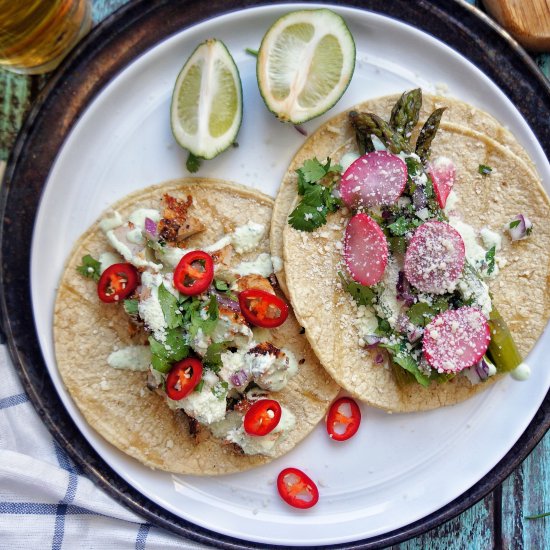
177	224
253	281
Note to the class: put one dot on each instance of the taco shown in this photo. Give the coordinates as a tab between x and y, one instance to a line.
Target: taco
160	355
374	319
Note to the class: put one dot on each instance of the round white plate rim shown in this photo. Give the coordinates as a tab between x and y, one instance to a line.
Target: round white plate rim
486	400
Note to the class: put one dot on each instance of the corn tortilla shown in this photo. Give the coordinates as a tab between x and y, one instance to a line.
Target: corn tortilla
521	291
116	402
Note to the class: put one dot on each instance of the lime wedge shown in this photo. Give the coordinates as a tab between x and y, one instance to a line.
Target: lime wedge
207	104
305	63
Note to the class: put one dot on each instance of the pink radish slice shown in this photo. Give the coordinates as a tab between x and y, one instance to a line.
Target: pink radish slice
456	339
435	257
374	179
442	171
365	250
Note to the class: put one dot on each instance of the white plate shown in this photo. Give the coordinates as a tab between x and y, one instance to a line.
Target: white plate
399	468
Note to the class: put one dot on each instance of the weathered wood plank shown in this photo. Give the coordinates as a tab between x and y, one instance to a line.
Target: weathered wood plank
15	100
472	530
527	492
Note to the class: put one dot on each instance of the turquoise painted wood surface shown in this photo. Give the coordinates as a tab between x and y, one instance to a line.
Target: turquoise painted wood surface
497	521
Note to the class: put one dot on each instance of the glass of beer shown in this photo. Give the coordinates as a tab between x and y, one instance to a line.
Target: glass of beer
35	35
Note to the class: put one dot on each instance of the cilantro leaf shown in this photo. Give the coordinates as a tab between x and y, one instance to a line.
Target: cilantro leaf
484	170
170	307
193	163
212	359
90	268
402	225
515	223
420	314
173	349
318	198
363	295
400	356
131	307
220	389
490	259
221	285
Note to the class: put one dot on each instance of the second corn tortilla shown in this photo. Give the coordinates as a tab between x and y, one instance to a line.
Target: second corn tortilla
521	290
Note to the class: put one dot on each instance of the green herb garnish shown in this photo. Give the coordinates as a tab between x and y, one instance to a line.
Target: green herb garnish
131	307
193	163
363	295
515	223
490	259
221	285
420	314
318	199
212	359
220	389
173	349
484	170
90	268
250	51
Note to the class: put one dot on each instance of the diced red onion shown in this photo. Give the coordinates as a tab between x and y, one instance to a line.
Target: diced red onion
224	301
522	229
415	334
371	339
482	369
150	228
300	129
238	378
404	290
379	359
419	198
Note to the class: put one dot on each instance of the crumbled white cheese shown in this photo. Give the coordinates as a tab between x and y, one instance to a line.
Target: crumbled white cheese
277	264
108	259
260	266
131	358
111	221
266	444
366	323
150	309
202	405
247	237
388	307
490	238
471	287
452	201
269	371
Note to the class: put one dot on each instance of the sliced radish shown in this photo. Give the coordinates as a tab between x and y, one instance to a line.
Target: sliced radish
435	257
442	171
374	179
456	339
365	250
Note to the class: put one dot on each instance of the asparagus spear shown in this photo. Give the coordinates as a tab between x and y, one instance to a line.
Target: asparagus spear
405	112
371	124
363	138
502	349
427	133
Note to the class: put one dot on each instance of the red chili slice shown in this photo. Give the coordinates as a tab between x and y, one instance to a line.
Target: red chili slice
262	308
442	171
365	250
376	178
456	339
262	417
343	413
117	282
194	273
435	257
183	378
297	489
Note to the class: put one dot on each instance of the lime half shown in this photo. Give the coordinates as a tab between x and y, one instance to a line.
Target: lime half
207	102
305	63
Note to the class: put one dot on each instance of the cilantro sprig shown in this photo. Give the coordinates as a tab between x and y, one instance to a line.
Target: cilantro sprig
490	259
318	199
90	268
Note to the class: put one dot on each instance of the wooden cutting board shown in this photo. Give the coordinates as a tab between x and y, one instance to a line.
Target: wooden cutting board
528	21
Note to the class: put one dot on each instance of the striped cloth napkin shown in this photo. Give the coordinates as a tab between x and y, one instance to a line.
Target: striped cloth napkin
46	501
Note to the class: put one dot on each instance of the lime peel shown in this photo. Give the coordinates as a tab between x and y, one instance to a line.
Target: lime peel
207	105
305	64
